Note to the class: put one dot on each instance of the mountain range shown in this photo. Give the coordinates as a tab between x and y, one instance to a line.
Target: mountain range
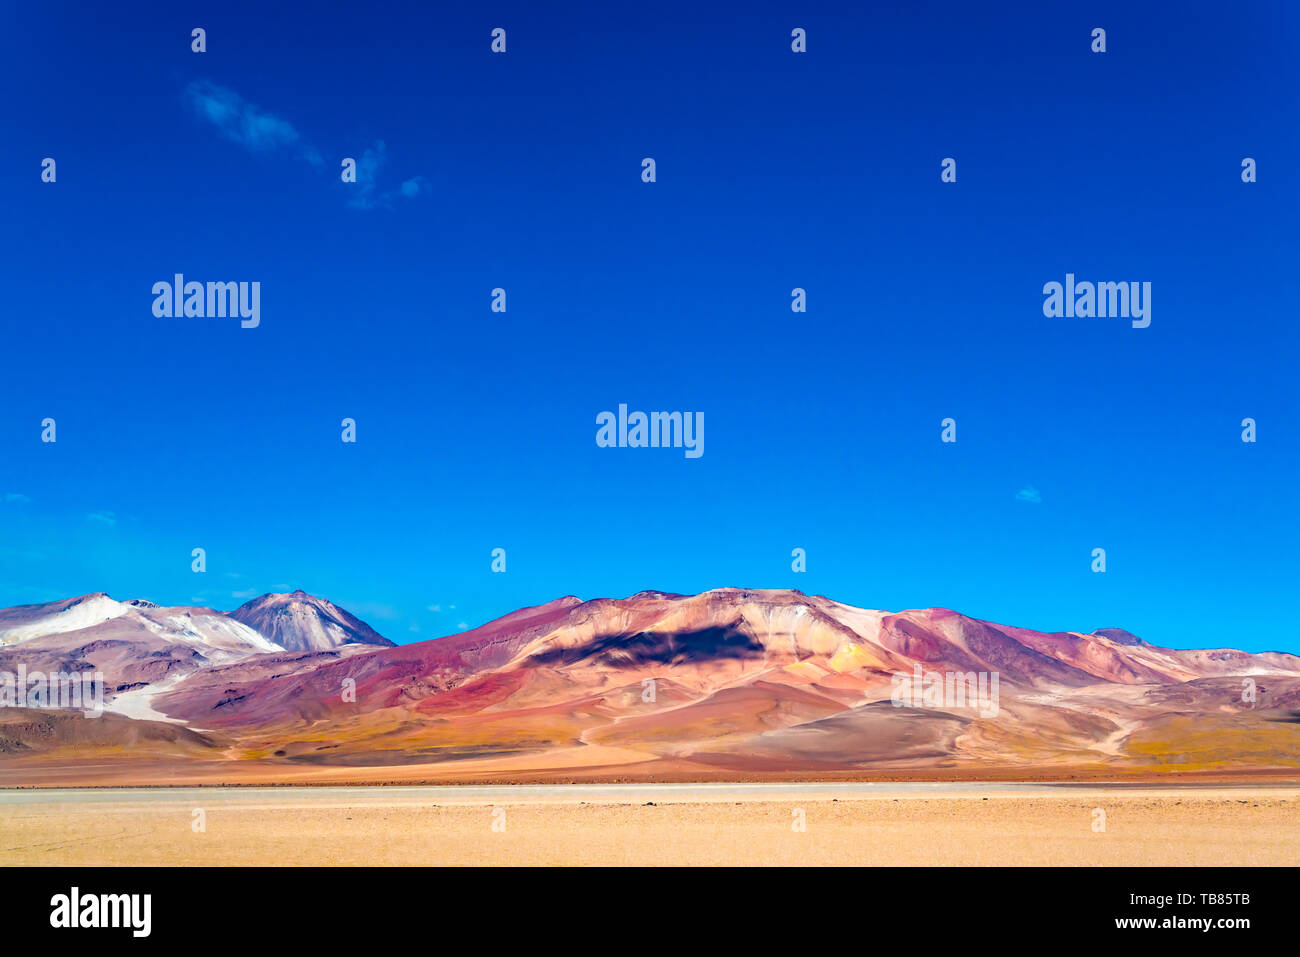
735	683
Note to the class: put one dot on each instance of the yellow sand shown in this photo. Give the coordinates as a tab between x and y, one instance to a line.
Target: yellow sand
1195	826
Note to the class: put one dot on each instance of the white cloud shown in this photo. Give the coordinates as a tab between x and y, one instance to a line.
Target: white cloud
242	122
259	131
367	194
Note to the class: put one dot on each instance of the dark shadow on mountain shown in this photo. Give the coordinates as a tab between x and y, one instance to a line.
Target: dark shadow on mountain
657	647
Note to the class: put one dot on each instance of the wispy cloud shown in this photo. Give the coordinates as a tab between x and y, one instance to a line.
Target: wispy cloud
104	518
259	131
16	498
1029	494
246	123
415	186
367	194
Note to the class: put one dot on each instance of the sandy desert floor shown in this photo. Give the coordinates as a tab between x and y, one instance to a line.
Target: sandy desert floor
755	824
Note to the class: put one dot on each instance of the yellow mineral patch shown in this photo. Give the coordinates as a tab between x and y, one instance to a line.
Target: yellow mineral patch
851	657
805	670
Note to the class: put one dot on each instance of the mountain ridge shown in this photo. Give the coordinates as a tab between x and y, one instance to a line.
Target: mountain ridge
297	621
730	680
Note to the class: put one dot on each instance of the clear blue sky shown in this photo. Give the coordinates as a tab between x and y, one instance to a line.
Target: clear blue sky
477	429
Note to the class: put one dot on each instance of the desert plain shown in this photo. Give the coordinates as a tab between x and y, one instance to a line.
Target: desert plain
790	824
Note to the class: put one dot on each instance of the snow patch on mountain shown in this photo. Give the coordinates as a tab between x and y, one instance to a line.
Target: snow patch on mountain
85	613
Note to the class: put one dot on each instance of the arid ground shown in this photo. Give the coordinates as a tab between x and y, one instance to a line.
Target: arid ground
703	824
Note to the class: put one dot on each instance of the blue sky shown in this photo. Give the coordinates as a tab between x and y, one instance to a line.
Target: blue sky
775	170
